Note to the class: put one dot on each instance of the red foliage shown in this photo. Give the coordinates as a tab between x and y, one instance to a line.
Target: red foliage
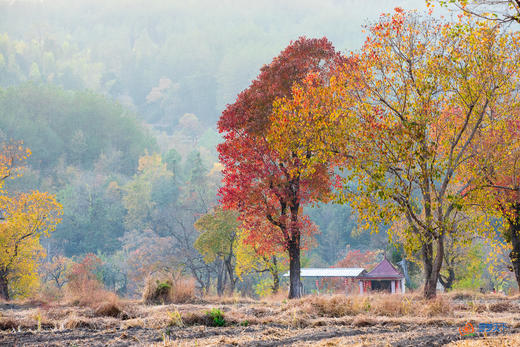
256	182
253	106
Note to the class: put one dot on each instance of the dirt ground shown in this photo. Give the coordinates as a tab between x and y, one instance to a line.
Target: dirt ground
233	336
314	321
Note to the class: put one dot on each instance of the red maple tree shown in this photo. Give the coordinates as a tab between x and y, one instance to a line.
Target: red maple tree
257	181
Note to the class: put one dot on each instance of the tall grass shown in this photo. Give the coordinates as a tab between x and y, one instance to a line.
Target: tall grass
89	292
378	305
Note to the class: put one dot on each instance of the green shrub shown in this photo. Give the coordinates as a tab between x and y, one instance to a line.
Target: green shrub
217	317
163	287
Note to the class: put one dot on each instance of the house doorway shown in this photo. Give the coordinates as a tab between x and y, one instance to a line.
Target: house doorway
381	286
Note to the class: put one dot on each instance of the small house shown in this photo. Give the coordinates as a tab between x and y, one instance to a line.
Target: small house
383	278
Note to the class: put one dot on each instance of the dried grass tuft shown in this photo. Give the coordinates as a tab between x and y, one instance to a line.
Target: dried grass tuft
229	300
165	288
8	324
391	305
333	306
90	295
363	321
441	305
75	322
502	340
475	307
279	296
197	318
502	306
49	293
108	309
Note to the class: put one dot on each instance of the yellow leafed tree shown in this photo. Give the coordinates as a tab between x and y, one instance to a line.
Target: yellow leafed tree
251	260
25	217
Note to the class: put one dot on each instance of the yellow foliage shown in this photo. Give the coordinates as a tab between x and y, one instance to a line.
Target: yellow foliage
28	216
25	218
248	260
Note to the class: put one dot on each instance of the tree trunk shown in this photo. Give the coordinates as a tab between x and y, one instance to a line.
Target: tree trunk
274	273
514	229
432	266
221	278
123	289
294	270
295	285
4	289
230	271
207	282
447	282
224	280
405	269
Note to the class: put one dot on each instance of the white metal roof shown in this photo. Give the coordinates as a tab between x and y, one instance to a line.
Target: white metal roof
329	272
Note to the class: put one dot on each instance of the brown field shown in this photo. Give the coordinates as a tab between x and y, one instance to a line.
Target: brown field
376	320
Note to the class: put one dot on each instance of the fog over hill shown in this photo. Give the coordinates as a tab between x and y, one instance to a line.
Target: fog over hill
168	58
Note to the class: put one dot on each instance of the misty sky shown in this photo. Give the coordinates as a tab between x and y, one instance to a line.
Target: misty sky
227	39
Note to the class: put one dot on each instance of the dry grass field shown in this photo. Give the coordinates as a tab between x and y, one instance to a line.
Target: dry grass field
376	320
